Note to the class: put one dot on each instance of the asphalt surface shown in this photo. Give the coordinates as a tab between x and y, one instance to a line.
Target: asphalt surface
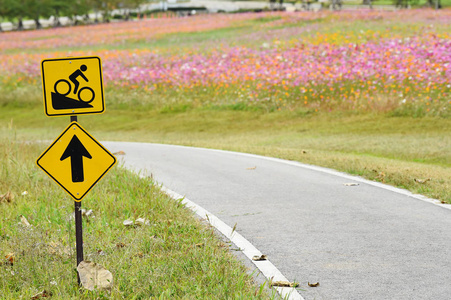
358	241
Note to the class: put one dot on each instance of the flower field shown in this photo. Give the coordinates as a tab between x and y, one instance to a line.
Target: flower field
384	61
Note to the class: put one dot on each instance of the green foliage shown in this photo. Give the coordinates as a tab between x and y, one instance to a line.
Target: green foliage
35	9
78	8
405	3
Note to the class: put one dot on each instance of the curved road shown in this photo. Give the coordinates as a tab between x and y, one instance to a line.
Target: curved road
364	241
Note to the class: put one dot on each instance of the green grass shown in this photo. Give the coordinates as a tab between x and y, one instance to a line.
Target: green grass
176	255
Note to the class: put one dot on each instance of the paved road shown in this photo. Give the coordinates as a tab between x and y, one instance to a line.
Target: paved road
359	242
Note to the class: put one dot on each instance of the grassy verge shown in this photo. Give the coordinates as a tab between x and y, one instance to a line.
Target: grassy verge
175	256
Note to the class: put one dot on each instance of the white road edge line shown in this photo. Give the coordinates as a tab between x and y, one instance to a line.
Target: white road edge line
331	172
265	266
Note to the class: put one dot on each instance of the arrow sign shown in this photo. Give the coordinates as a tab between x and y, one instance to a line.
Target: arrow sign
85	168
75	150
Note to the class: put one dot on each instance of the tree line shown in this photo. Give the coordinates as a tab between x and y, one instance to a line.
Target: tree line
18	10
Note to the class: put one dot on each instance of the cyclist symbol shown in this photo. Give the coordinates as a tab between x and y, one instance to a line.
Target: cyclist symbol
73	77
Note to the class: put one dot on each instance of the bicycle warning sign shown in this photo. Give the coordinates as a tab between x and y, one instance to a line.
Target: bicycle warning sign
72	86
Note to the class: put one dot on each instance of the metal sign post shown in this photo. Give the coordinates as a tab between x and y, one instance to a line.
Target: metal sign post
78	224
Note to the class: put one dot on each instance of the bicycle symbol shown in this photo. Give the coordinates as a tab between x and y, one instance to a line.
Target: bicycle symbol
79	92
73	79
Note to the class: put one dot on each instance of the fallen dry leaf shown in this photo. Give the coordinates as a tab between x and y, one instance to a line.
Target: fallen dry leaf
43	294
284	284
7	198
120	245
54	248
87	213
24	221
422	180
313	284
222	245
200	245
128	223
259	257
119	153
381	176
350	184
251	168
94	276
10	258
141	222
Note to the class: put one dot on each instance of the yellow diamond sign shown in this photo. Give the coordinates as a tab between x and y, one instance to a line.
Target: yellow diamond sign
72	86
76	161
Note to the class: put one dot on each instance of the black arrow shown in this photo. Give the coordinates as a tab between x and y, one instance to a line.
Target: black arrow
76	151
